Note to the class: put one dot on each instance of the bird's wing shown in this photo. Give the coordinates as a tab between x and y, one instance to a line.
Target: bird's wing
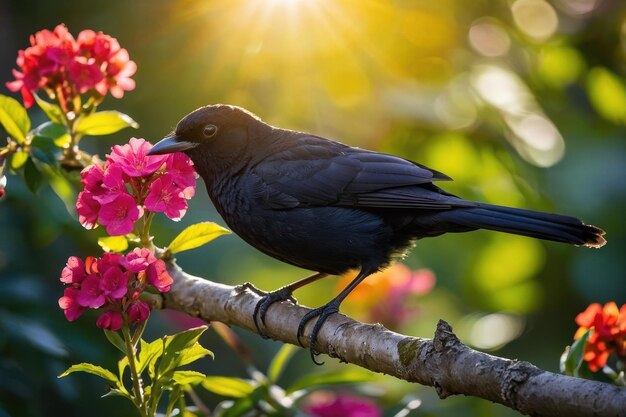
317	172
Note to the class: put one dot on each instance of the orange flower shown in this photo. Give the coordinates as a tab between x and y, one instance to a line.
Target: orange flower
384	297
608	336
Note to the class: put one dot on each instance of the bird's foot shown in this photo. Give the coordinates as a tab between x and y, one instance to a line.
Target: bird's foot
248	286
267	299
323	312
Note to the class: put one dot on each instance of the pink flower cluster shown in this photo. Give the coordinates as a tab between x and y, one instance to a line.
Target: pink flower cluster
115	283
66	67
327	404
116	195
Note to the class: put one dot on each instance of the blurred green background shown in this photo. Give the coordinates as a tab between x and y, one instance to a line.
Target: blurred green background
522	102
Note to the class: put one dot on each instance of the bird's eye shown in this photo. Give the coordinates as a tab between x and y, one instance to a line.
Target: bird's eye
209	131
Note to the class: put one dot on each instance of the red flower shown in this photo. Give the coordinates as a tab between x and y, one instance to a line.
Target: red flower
158	276
327	404
138	312
66	68
110	320
608	335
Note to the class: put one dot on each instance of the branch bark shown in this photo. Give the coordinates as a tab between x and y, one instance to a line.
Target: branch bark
442	362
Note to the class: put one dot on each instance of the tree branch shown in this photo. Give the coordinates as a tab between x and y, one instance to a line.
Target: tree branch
443	362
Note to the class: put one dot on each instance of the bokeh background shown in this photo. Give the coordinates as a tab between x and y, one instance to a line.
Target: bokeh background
522	102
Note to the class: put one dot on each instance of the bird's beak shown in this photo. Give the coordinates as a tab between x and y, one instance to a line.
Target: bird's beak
171	144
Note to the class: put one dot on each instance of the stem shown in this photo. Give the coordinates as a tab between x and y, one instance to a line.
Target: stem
146	239
139	400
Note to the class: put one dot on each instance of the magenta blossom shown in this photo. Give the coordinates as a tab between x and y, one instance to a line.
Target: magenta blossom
119	215
115	195
74	271
138	312
114	282
110	320
327	404
90	294
138	260
133	158
88	209
166	197
69	305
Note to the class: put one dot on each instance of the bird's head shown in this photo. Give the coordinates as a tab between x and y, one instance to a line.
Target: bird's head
216	134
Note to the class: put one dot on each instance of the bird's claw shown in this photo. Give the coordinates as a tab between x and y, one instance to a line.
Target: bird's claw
248	286
267	299
323	312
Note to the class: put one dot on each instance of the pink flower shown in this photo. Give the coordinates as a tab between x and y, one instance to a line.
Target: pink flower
120	69
113	184
133	158
108	260
90	294
74	271
68	67
92	177
114	283
327	404
69	305
181	169
119	215
166	197
138	260
158	276
110	320
88	209
138	312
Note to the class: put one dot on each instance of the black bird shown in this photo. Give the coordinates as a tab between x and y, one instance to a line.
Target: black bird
328	207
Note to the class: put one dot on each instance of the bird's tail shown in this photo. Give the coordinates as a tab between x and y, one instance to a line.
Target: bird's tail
531	223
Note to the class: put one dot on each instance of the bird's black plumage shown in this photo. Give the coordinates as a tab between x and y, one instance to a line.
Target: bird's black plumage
328	207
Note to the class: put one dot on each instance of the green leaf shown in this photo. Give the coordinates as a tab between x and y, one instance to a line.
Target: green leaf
114	392
237	408
32	176
192	354
122	364
149	352
18	159
573	358
188	377
196	235
104	123
113	243
44	149
54	112
116	340
56	132
14	118
90	368
607	94
279	361
228	386
175	344
345	376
